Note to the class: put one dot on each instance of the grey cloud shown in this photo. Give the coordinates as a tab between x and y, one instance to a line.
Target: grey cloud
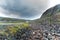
24	9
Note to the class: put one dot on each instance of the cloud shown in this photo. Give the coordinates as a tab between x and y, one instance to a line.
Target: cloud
23	9
54	2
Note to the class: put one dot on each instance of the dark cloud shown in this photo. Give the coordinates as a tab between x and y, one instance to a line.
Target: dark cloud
24	9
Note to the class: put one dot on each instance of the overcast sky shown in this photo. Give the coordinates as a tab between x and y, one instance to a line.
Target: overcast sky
25	9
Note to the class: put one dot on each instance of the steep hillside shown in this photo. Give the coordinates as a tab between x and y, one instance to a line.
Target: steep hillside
51	15
50	20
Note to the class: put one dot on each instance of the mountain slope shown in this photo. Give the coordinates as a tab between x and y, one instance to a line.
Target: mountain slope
2	19
50	20
51	15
